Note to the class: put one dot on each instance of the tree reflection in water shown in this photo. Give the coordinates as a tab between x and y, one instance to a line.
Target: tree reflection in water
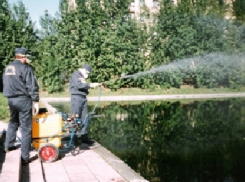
165	141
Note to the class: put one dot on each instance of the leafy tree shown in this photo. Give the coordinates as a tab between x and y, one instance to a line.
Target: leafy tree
48	25
24	34
239	10
186	30
101	34
4	36
104	35
16	30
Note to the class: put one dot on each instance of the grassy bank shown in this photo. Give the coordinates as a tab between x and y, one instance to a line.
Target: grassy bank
4	110
157	91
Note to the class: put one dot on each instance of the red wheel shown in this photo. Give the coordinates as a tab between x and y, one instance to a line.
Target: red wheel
48	153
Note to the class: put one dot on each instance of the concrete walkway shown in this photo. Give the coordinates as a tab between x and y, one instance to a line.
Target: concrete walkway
95	164
90	164
10	162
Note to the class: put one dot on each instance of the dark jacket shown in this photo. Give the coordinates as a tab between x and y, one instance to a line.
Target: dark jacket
77	87
19	80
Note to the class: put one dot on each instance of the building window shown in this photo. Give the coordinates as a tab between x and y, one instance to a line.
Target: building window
155	3
141	2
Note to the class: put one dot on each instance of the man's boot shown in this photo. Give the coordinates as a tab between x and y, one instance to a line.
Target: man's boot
8	149
77	140
87	140
25	162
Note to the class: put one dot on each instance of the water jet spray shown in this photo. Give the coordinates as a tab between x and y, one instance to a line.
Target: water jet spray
213	63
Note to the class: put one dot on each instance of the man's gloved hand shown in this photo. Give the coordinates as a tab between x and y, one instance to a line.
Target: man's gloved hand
93	85
35	108
82	80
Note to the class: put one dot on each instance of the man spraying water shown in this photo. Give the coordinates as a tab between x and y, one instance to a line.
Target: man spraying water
79	104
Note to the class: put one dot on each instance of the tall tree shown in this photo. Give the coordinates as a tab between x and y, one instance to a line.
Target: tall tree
5	33
5	44
188	29
16	30
24	33
48	25
239	10
99	33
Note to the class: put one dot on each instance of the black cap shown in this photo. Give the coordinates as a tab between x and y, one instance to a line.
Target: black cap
21	50
87	67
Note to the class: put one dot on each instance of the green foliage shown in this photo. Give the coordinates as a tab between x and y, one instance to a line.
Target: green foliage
116	45
48	68
16	30
184	32
5	34
209	71
48	24
239	10
102	35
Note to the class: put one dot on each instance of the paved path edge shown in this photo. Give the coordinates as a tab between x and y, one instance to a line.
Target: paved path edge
121	167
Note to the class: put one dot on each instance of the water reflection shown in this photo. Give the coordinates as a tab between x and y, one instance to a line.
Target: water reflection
199	141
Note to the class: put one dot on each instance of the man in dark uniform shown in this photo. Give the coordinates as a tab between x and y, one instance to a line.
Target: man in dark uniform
21	88
79	104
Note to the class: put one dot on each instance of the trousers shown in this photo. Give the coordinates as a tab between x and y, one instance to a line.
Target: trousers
20	116
79	105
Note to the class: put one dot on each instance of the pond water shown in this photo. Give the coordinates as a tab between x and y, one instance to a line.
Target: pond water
175	141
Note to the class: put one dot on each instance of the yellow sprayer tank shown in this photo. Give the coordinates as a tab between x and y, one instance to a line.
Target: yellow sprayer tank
46	126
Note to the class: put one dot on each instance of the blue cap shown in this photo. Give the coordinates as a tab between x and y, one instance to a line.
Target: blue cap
22	51
87	67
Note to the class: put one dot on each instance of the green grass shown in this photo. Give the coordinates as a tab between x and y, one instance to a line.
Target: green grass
4	109
157	91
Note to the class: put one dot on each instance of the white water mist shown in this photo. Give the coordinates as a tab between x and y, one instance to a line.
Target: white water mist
212	60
